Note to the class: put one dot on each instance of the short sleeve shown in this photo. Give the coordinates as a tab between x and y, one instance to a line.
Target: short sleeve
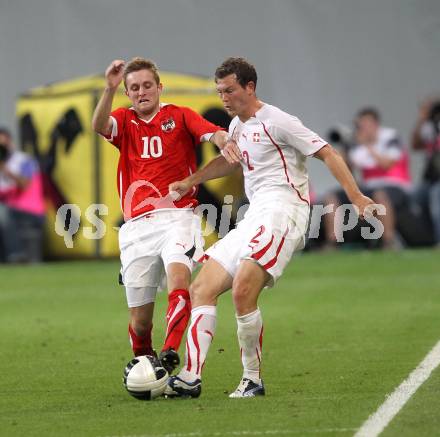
118	125
199	128
289	130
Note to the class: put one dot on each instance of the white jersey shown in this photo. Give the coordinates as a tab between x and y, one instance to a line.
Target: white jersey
274	146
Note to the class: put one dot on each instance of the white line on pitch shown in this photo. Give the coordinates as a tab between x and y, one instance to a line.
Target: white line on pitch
377	422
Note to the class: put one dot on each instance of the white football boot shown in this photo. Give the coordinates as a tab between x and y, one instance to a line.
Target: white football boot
248	389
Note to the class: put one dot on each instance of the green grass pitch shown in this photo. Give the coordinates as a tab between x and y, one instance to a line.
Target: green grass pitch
342	330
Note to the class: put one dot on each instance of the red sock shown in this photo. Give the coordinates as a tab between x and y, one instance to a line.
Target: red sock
178	314
140	345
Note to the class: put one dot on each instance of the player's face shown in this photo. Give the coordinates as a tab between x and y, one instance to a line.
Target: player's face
143	91
235	98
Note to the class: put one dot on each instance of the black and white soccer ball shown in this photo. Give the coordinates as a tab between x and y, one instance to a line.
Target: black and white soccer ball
145	378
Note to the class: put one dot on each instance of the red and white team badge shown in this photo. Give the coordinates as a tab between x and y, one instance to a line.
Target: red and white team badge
168	125
256	137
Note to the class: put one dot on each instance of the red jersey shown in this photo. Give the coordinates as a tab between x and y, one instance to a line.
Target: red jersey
155	153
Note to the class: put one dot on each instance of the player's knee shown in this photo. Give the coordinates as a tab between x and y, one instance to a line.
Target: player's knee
178	281
195	291
178	277
201	294
242	295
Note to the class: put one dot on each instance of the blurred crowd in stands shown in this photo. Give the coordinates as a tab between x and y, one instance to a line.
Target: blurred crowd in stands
22	210
380	159
377	155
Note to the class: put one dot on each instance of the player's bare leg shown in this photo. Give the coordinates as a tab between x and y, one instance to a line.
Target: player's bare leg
178	313
212	281
246	288
139	329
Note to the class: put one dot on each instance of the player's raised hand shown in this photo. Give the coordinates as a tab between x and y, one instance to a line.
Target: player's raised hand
114	73
367	208
178	189
231	152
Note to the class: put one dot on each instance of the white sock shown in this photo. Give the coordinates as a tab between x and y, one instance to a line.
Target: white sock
250	339
198	339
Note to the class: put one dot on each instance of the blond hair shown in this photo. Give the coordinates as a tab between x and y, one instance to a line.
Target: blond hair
137	64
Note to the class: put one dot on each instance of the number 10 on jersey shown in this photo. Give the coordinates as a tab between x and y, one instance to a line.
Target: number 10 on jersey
152	147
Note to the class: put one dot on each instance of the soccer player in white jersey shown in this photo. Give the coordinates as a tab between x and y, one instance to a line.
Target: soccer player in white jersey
271	147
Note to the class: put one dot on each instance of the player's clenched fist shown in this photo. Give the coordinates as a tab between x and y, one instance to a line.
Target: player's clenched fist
178	189
114	73
367	208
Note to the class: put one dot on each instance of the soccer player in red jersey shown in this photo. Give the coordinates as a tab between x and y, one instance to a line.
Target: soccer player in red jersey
160	236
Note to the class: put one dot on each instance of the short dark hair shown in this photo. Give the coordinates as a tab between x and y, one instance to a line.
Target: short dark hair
243	70
6	132
369	112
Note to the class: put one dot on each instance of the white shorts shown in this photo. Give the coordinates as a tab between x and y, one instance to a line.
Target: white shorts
152	242
268	236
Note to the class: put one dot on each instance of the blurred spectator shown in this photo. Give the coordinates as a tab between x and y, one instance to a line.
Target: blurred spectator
21	204
382	161
426	137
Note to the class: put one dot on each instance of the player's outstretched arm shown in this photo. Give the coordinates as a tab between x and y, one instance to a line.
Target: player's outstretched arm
216	168
336	164
101	121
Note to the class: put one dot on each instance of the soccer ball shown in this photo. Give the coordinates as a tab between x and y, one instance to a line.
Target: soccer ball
145	378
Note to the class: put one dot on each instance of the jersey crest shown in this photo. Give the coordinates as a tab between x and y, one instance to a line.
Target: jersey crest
168	125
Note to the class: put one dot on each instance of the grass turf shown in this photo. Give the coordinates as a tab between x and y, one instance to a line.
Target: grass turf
341	331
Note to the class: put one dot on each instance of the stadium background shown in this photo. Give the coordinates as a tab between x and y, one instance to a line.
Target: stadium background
320	60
